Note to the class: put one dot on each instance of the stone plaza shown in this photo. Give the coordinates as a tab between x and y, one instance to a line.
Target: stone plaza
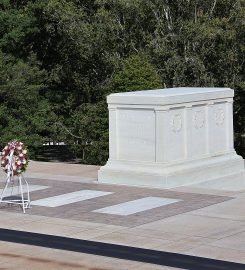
198	221
173	186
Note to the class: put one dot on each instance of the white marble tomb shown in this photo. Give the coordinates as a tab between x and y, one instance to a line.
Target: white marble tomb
171	137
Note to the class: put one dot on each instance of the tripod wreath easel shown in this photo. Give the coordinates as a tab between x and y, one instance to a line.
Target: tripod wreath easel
14	160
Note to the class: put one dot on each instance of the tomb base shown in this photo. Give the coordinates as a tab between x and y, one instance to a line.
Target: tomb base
228	166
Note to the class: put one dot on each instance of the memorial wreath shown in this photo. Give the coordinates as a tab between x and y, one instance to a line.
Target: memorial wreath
16	153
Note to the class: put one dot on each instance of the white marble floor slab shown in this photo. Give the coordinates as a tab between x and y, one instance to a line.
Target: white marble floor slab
136	206
68	198
15	191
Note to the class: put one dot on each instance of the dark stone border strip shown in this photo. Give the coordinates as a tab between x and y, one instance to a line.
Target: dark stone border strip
118	251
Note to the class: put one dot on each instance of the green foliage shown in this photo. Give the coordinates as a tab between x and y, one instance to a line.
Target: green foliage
59	59
23	112
90	124
137	74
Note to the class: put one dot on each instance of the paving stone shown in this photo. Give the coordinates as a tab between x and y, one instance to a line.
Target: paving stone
203	222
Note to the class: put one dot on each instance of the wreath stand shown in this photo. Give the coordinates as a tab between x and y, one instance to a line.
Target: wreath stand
12	199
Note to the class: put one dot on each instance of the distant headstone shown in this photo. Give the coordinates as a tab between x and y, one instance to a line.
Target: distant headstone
171	137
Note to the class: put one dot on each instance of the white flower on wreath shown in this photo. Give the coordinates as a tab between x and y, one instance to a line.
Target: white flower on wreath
24	151
19	148
21	155
24	161
19	162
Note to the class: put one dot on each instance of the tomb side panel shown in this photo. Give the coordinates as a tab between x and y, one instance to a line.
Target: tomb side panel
136	134
196	131
174	138
219	128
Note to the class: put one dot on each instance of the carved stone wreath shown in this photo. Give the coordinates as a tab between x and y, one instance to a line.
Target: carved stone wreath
219	117
176	123
199	119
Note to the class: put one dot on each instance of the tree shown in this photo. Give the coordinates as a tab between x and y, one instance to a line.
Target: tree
23	112
71	53
137	74
89	136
